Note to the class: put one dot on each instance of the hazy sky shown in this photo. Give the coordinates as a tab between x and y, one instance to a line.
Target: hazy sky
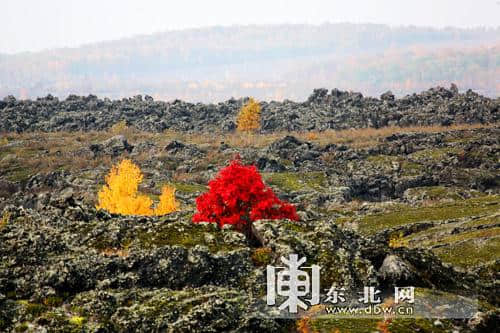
31	25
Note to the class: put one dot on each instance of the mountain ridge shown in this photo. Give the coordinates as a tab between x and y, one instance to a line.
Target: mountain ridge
266	62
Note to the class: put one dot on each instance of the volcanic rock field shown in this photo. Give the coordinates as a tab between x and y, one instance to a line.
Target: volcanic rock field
390	191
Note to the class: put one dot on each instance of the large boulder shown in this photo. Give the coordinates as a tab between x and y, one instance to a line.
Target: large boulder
114	146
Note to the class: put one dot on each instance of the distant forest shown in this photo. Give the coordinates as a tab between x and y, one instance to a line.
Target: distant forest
273	62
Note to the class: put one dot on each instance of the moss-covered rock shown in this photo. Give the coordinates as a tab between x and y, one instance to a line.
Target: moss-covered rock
65	267
400	215
292	181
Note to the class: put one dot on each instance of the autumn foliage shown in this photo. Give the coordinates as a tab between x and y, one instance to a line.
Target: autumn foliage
249	117
167	202
238	196
120	194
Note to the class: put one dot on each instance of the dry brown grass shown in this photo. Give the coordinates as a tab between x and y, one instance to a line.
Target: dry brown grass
45	152
119	128
236	139
353	205
328	158
182	177
362	137
51	151
111	252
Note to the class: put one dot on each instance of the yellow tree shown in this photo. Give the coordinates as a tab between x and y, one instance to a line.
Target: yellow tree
249	117
167	202
120	194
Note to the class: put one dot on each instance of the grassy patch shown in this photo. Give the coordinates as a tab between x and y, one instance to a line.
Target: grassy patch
370	224
4	152
53	301
420	325
325	324
286	162
465	248
297	227
330	273
15	170
398	240
483	221
188	188
464	236
262	256
189	236
407	168
19	174
439	233
33	310
435	154
286	181
297	181
470	252
58	321
438	193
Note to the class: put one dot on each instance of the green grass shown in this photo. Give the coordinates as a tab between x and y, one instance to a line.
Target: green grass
262	256
420	325
19	174
440	232
4	152
402	215
297	181
483	221
439	193
471	252
435	154
399	325
297	227
466	248
166	234
408	168
188	188
464	236
189	236
352	325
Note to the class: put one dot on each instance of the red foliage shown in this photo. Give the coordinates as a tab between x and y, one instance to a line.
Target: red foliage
238	196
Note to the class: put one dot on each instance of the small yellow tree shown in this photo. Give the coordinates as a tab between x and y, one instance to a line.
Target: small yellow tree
398	240
167	202
120	194
249	117
119	128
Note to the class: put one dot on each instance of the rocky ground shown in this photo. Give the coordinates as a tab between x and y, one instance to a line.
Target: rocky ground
392	207
323	110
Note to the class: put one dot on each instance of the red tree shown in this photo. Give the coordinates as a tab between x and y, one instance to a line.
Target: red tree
238	196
